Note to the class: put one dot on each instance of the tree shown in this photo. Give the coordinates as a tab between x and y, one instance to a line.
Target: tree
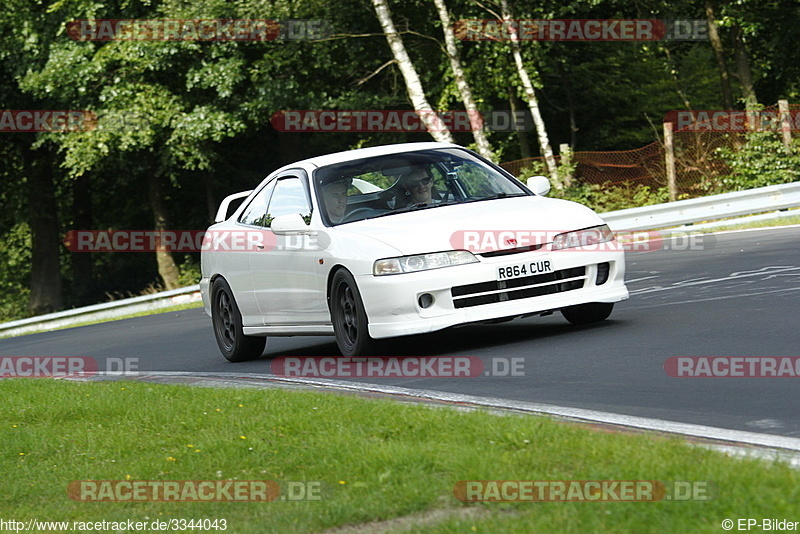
416	94
533	101
464	89
24	23
719	55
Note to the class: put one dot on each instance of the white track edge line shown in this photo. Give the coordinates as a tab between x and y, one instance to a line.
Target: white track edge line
579	414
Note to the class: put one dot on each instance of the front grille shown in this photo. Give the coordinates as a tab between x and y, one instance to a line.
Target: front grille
518	288
508	251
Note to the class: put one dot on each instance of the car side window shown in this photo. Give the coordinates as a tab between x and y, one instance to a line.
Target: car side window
256	211
289	197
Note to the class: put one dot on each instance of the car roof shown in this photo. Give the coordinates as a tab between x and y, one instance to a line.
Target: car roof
347	155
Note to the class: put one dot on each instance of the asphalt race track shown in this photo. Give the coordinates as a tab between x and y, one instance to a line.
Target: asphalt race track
735	295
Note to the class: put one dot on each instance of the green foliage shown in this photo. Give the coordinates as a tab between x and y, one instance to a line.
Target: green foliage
599	197
15	269
190	273
536	168
566	170
763	160
603	198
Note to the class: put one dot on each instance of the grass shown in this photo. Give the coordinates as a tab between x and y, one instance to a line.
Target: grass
375	460
787	221
170	309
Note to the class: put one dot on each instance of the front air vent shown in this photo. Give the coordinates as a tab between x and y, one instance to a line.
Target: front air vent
518	288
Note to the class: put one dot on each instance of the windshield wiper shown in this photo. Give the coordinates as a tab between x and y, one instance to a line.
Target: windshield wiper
425	205
499	195
415	207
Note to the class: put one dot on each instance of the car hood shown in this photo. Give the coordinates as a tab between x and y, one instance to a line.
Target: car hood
442	228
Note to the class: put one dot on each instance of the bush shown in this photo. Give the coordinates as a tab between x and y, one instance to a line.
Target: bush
763	160
189	271
599	197
603	198
15	272
536	168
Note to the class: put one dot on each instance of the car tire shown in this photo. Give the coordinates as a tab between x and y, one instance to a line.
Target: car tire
227	321
588	313
349	318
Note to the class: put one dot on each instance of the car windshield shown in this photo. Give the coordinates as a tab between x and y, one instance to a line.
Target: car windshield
396	183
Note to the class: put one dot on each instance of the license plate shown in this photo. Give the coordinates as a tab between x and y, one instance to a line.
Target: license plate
524	269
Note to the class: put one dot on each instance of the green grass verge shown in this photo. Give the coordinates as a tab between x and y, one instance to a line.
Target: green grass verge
177	307
375	460
788	221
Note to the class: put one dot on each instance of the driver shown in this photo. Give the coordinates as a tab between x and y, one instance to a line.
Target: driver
334	196
417	188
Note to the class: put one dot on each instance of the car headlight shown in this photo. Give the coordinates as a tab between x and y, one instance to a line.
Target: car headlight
583	238
422	262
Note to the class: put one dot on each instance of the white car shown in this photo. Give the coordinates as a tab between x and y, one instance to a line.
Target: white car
398	240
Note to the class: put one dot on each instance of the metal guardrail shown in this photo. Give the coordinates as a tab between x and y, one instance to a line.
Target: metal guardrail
100	312
751	201
748	202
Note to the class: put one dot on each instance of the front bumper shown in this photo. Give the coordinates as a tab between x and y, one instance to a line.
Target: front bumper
473	293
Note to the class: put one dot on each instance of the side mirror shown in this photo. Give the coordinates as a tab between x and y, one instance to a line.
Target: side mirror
539	185
222	212
289	224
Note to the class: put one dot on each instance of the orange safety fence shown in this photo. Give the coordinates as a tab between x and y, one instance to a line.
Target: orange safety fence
698	166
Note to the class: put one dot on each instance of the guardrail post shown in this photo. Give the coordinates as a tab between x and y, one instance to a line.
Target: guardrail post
669	156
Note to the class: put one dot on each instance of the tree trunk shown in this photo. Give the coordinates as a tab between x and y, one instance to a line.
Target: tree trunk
676	82
211	199
524	145
464	89
719	55
46	284
82	284
533	102
573	124
743	68
166	264
435	126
